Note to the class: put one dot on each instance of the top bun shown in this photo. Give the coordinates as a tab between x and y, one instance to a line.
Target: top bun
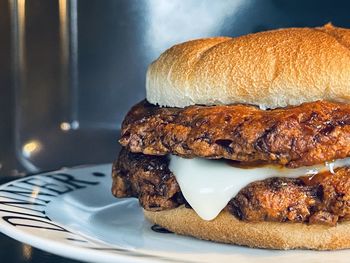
269	69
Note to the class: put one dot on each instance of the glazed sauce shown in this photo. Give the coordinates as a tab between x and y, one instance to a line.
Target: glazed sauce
308	180
315	179
251	165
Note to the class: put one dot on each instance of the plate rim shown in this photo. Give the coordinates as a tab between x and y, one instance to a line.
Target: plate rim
65	250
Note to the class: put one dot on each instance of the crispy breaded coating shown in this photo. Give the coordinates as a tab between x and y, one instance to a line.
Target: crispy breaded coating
307	134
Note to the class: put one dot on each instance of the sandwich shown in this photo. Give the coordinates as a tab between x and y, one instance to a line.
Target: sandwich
245	140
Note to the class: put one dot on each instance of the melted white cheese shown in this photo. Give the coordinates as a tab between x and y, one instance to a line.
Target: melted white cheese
208	185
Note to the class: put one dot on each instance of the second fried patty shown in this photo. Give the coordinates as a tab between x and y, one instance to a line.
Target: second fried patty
325	199
307	134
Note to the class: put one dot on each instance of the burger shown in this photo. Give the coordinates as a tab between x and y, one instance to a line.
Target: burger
245	140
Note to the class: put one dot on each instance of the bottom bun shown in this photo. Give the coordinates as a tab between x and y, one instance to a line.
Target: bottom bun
226	228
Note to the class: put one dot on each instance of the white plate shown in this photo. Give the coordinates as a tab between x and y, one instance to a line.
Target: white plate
72	213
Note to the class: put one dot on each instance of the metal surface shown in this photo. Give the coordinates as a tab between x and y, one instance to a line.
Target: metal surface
70	69
14	251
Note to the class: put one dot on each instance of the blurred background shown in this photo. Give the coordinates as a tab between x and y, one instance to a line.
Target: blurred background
70	70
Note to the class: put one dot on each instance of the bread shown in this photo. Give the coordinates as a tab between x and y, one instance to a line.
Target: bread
227	229
270	69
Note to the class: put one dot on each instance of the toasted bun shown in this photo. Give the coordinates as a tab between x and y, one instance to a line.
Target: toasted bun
227	229
270	69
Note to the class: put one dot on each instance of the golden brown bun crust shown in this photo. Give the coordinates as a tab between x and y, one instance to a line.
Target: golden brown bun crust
227	229
270	69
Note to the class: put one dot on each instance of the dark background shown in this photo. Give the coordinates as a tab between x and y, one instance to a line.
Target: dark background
70	69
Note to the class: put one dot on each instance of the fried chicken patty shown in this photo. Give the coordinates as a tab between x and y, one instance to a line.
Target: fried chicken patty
304	135
148	178
322	199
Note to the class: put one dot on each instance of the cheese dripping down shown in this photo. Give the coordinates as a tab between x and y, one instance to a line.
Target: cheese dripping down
208	185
